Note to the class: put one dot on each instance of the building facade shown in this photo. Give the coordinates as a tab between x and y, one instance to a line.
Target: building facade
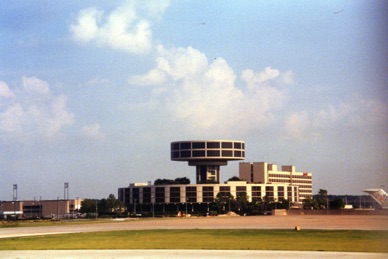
258	181
140	195
40	208
262	172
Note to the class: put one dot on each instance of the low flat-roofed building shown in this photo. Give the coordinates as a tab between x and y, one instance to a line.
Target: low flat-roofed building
59	208
196	194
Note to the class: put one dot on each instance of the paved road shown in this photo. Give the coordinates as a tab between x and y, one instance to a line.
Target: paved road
260	222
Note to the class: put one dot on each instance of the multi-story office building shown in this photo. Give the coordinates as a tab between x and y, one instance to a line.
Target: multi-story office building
262	172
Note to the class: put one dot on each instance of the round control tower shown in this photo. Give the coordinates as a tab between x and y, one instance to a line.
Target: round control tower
207	156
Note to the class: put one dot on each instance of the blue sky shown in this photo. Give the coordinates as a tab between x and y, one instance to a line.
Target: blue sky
93	92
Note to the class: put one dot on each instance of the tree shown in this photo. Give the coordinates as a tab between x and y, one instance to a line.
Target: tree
309	203
109	205
164	181
254	206
242	203
285	204
337	204
88	206
234	178
266	203
103	207
182	180
224	202
111	202
114	204
179	180
323	199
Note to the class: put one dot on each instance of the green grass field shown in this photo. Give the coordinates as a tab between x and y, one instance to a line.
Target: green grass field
305	240
40	223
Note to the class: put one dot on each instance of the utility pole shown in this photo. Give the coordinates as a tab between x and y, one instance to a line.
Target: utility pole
66	191
58	208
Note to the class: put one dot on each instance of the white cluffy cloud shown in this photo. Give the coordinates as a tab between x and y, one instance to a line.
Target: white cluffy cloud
297	125
205	96
356	114
33	108
93	131
5	91
122	29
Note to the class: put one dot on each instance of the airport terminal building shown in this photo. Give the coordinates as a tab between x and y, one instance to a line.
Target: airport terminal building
258	180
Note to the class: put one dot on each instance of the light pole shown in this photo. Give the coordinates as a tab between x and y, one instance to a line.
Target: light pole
40	207
14	210
58	208
31	210
15	197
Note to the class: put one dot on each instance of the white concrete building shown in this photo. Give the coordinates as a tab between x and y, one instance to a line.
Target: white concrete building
262	172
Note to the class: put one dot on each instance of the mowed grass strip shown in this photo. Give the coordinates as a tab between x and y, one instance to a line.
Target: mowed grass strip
40	223
236	239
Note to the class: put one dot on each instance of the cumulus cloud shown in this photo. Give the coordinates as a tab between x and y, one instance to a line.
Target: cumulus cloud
98	82
11	118
205	97
34	108
122	29
153	77
34	84
93	131
5	91
296	126
260	77
355	114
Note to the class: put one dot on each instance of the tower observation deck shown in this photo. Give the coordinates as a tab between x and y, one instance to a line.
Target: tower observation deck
207	156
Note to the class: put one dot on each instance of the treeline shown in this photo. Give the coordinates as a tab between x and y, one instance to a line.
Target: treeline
109	207
179	180
323	201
